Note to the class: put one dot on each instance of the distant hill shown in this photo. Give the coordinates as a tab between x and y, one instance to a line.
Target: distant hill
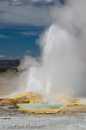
9	64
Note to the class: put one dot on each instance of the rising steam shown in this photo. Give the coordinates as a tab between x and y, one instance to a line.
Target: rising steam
61	68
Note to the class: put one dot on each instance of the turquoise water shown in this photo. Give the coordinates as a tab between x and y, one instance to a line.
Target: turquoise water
40	106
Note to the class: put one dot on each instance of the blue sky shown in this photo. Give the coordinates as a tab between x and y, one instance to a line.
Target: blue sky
21	23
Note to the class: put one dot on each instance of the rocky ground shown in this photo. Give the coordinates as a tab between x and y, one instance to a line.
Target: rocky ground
9	106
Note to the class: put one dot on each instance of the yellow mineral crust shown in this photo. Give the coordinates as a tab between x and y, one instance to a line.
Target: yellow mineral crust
72	105
73	109
44	111
69	100
32	97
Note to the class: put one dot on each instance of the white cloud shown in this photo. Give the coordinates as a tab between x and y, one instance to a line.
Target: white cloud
2	56
25	14
12	57
47	1
29	33
3	36
25	2
36	0
29	51
1	50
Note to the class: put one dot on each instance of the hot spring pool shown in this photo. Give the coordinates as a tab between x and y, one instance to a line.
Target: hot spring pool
40	106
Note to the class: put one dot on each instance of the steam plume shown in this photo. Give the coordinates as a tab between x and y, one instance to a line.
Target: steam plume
62	66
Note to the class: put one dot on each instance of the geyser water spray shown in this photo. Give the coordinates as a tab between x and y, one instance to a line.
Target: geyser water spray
62	66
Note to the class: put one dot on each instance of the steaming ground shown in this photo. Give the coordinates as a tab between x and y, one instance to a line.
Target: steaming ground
61	68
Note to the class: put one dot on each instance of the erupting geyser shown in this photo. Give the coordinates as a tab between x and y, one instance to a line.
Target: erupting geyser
62	66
